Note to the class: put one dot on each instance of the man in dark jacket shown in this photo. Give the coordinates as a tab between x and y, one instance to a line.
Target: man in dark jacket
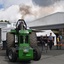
42	42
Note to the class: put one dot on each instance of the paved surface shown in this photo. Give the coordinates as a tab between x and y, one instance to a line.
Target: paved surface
51	57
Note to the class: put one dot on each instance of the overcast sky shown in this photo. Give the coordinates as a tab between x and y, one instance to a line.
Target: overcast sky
8	7
7	3
44	2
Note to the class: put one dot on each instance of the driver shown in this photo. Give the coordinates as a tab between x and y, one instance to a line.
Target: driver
21	24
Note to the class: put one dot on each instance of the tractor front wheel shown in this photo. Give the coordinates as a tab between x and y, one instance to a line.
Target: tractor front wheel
37	54
12	56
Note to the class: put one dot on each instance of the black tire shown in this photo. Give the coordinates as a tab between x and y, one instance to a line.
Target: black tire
33	39
37	54
10	41
40	46
12	55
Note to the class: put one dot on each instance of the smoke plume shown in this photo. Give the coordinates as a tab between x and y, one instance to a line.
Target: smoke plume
24	10
38	11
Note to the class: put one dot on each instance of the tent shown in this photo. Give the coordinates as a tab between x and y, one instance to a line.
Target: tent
48	33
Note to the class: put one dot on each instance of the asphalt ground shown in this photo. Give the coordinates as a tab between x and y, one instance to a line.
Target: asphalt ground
50	57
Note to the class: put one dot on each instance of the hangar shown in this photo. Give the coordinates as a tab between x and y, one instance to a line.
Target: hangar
53	21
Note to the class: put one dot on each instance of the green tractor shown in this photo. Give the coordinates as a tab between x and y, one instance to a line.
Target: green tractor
22	43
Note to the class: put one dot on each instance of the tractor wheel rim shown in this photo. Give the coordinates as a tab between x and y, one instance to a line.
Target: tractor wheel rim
10	56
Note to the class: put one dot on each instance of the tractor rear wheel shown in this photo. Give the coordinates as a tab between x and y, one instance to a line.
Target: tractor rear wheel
10	41
33	39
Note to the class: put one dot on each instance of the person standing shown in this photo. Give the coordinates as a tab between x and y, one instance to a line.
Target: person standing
46	41
42	41
58	42
50	41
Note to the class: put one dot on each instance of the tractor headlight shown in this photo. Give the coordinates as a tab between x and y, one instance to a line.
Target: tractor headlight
25	50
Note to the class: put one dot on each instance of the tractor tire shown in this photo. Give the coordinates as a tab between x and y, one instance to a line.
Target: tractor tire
12	56
37	53
33	39
10	41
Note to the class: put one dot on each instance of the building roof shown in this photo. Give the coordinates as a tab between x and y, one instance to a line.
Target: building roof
52	21
3	24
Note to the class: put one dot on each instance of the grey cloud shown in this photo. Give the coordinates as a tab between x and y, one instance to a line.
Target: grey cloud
44	2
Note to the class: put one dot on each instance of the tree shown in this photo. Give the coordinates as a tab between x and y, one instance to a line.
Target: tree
5	21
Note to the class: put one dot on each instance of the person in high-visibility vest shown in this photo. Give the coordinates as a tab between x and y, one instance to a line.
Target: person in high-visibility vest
59	42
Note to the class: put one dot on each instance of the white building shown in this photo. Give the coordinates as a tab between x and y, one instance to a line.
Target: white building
2	32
